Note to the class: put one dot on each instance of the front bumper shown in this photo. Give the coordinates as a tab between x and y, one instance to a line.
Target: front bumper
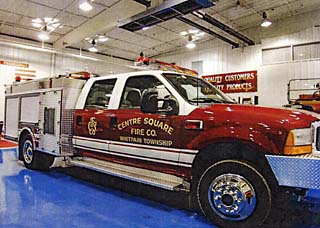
300	171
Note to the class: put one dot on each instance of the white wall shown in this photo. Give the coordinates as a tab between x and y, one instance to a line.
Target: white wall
272	78
48	63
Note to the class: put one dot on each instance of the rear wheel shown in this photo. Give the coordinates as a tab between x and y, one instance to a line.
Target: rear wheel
33	159
233	193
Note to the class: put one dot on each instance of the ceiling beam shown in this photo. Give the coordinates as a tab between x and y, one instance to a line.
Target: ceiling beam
103	22
204	29
146	3
211	20
166	11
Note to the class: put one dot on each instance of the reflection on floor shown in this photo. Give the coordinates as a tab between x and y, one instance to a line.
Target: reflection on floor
6	144
79	198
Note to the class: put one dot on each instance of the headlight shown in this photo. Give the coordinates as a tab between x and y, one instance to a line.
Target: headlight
299	141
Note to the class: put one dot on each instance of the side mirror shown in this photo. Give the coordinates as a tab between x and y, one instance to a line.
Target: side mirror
170	106
150	103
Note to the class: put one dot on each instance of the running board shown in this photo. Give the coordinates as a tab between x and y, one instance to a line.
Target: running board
157	179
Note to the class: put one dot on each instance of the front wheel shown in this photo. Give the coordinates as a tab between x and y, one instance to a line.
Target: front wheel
33	159
233	193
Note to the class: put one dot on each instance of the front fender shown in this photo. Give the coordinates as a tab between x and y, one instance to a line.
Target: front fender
272	142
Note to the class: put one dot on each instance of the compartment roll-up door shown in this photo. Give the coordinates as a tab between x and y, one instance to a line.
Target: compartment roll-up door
12	117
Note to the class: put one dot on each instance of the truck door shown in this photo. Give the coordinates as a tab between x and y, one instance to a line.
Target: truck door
146	140
92	124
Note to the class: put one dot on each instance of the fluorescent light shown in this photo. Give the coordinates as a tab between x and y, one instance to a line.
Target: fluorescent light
37	20
102	38
85	5
193	31
52	27
37	25
191	45
47	19
183	33
43	36
197	14
85	57
266	23
54	20
93	48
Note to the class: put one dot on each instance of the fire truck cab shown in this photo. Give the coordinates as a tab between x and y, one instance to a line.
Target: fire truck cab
172	131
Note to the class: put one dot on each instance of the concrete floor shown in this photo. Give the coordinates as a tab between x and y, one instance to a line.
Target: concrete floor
79	198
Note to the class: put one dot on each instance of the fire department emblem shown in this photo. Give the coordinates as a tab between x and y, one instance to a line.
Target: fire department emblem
92	126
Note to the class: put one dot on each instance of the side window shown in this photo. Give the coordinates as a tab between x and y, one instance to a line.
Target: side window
100	94
134	88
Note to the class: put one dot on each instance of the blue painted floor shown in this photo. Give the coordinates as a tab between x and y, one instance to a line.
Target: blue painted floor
79	198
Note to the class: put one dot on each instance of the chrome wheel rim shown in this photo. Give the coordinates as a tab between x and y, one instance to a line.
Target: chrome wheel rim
232	197
27	151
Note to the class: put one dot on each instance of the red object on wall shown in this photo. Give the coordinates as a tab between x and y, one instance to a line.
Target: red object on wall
238	82
15	64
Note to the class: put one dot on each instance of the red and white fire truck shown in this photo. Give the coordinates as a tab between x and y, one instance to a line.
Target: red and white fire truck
172	131
304	94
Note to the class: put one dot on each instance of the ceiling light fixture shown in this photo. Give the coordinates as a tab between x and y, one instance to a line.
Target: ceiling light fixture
193	35
198	14
190	43
85	5
145	28
37	20
43	36
265	22
183	33
93	47
102	38
46	26
50	23
193	31
36	25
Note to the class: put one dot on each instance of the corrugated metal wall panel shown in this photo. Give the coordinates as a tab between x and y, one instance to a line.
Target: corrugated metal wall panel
272	78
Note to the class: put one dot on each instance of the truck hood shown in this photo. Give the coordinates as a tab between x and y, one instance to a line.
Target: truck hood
248	115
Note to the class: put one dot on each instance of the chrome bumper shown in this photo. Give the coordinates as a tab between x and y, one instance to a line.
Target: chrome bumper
300	171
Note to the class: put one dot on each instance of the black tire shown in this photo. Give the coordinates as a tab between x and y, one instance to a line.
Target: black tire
31	158
230	207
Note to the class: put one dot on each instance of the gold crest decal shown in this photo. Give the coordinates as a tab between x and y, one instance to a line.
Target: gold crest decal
92	126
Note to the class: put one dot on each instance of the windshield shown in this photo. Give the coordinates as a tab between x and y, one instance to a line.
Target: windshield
196	90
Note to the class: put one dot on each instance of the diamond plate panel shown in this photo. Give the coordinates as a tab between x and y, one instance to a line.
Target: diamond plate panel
296	171
50	142
69	99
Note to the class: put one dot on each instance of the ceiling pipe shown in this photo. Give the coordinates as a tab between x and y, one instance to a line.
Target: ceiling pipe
211	20
202	28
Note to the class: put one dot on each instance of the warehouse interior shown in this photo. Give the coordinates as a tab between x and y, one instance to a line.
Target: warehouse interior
278	41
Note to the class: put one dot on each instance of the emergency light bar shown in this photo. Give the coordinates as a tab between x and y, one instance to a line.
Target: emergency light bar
149	64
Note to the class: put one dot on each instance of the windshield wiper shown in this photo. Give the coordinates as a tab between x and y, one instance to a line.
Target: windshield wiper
206	100
210	100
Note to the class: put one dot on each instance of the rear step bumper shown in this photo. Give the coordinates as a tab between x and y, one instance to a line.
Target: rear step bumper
157	179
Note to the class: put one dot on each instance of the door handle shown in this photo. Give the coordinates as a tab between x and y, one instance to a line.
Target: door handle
113	122
79	120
